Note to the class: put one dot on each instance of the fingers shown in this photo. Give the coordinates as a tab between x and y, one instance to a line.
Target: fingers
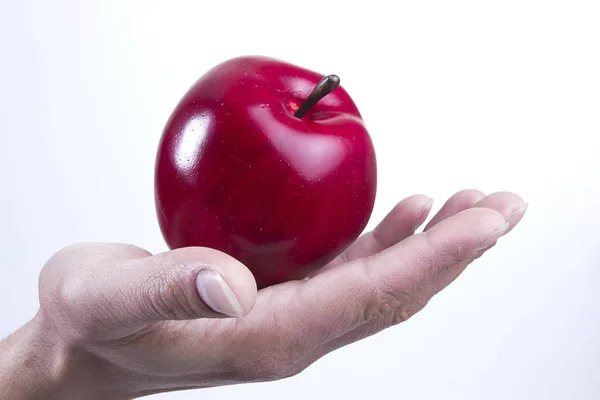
397	279
509	205
364	296
181	284
506	203
398	224
455	204
403	221
188	283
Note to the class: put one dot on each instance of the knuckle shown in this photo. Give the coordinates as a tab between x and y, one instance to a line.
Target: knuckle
167	298
401	305
68	306
407	310
376	303
70	292
380	304
382	301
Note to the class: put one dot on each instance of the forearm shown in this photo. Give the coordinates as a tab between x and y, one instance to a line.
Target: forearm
34	364
27	368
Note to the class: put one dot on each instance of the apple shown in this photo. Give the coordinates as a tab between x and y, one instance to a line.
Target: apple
268	162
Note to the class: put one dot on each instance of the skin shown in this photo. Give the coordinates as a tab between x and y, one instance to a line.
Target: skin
97	337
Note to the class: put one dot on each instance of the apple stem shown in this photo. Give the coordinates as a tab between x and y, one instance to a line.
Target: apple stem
323	88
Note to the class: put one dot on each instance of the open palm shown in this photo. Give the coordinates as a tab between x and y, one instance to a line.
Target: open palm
138	318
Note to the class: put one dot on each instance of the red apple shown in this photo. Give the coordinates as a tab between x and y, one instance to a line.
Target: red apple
268	162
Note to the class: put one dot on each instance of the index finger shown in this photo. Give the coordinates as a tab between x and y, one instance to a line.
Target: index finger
343	298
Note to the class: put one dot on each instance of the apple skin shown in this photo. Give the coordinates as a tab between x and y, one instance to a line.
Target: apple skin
236	171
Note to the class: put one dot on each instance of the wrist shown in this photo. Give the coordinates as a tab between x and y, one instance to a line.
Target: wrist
36	364
28	366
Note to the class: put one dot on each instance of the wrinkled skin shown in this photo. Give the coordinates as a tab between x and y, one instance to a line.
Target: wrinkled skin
118	323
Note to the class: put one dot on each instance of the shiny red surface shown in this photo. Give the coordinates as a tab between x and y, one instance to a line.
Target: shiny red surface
237	172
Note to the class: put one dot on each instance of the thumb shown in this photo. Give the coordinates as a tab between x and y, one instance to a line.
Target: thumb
182	284
192	283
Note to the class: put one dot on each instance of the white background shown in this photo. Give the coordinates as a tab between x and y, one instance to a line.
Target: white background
456	94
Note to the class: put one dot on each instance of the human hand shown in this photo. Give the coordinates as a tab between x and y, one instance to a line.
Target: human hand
118	323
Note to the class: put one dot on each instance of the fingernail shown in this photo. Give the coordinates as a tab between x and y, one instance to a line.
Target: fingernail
423	214
215	292
519	211
516	215
492	237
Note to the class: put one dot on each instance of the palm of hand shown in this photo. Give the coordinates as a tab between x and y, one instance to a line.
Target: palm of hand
144	332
